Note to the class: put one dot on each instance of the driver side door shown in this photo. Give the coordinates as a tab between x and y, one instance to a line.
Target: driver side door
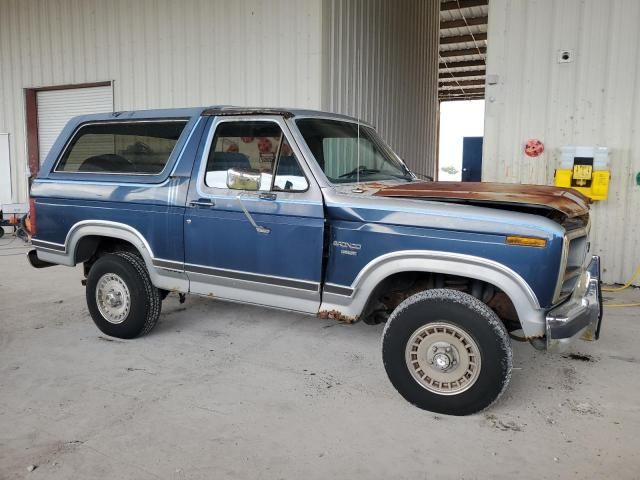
262	245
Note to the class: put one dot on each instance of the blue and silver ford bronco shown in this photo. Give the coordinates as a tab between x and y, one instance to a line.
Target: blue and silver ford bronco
312	212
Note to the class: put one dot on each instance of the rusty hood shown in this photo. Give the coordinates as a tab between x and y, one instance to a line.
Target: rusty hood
565	200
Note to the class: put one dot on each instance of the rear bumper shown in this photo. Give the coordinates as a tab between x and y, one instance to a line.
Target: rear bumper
580	316
35	262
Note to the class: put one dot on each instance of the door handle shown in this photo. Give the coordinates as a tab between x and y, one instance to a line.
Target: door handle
202	202
268	196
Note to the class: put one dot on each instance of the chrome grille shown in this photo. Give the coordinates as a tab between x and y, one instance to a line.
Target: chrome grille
575	249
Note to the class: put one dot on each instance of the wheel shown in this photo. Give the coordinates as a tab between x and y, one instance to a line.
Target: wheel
1	231
121	298
447	352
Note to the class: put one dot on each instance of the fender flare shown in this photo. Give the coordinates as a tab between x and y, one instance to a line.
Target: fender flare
105	228
169	280
530	313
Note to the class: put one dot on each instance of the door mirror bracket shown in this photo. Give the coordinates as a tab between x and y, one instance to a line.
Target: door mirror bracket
259	229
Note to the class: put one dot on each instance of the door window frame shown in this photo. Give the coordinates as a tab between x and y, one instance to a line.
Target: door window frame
78	133
205	191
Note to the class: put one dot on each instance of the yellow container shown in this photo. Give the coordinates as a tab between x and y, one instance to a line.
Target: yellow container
599	189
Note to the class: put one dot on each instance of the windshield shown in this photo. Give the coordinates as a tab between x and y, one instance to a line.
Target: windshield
334	144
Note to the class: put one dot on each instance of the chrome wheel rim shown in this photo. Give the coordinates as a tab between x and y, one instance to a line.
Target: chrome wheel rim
113	298
443	358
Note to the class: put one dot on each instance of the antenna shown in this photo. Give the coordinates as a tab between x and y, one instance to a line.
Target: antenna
359	108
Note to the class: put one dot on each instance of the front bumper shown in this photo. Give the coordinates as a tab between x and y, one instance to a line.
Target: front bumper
581	315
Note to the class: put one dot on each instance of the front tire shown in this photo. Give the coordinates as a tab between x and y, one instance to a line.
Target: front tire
121	298
447	352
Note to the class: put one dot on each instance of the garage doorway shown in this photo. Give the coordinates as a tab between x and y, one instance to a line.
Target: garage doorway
50	108
460	120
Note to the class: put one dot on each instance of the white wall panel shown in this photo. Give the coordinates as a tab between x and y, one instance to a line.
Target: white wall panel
594	100
172	53
159	53
5	170
380	63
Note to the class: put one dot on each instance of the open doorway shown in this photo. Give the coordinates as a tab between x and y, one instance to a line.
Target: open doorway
461	87
460	144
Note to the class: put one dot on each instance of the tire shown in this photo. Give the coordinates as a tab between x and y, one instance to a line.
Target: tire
447	352
123	276
1	231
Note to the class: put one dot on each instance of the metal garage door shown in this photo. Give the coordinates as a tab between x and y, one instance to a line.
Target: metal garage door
57	107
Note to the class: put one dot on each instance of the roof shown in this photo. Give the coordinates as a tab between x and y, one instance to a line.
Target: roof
228	110
463	47
214	110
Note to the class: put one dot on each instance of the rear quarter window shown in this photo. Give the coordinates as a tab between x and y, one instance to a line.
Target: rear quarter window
122	147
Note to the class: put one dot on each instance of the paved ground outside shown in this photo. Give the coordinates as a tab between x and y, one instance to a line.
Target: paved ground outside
229	391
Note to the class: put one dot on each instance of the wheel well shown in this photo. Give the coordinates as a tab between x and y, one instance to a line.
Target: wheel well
395	288
92	247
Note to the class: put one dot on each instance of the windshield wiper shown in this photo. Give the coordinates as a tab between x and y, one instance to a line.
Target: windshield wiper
425	177
362	170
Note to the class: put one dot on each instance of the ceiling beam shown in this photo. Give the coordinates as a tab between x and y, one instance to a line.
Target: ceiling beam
468	73
460	99
463	52
460	4
460	91
445	24
465	63
463	38
461	83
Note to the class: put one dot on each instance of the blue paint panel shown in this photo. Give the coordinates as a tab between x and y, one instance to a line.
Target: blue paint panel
160	225
171	192
224	238
539	267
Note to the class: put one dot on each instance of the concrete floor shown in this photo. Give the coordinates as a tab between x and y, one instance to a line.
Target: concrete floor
228	391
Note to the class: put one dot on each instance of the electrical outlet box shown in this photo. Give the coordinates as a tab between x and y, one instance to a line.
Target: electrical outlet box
586	169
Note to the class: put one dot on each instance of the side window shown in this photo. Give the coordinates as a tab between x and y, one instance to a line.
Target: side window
289	176
122	147
257	147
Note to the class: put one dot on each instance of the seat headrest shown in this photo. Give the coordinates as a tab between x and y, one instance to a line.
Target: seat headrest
288	165
227	160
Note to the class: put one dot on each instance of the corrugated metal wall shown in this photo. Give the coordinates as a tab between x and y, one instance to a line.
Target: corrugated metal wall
164	53
159	53
380	63
594	100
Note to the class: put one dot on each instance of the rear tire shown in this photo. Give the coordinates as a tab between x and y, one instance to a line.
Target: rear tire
447	352
121	298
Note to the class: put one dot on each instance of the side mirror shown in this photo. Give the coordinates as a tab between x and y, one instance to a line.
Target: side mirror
243	179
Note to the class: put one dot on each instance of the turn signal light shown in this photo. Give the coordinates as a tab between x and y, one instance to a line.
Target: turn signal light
526	241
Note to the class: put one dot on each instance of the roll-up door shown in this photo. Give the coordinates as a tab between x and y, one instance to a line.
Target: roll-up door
57	107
